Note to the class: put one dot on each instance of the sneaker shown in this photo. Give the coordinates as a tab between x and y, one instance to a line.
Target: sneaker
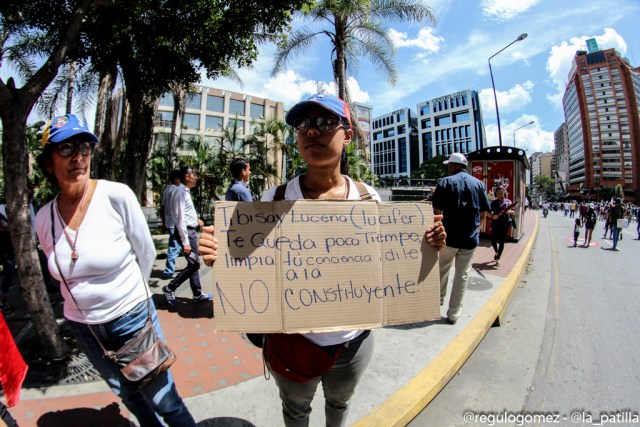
452	321
170	296
203	297
166	276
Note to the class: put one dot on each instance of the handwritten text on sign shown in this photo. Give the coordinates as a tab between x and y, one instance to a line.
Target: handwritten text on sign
309	265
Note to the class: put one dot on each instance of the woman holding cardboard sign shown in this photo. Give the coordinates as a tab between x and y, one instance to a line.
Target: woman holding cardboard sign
338	359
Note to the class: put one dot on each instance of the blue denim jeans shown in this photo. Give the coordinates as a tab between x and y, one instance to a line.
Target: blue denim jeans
157	399
172	252
616	235
193	265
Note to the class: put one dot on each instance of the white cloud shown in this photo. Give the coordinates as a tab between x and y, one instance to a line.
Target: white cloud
288	87
355	92
503	10
514	99
531	138
561	59
425	40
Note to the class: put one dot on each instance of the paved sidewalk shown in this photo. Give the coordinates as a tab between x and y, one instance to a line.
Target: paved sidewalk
221	376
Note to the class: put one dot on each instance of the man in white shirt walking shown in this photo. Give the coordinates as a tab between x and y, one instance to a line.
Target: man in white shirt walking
186	222
167	218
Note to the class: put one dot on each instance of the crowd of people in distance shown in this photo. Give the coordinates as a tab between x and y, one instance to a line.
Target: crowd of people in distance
615	214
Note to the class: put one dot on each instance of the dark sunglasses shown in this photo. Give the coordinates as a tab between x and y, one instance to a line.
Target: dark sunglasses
65	149
323	123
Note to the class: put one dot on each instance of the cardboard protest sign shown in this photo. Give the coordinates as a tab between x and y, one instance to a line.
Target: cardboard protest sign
300	266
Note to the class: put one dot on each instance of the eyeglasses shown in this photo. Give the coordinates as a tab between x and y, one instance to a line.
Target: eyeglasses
322	123
65	149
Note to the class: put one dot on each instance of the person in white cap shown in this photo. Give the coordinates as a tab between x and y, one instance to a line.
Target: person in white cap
461	198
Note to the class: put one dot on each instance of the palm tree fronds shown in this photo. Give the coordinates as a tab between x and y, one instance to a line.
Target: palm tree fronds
296	43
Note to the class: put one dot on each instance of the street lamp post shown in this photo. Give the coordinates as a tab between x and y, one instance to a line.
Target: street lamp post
514	132
495	98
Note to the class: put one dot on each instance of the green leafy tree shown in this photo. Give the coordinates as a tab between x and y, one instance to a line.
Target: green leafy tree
619	191
358	168
433	168
27	34
202	160
152	44
545	185
159	45
267	147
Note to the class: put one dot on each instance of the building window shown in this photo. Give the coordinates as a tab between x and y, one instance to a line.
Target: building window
236	107
424	109
461	117
400	116
191	121
167	100
402	154
213	123
194	101
443	120
402	129
164	119
256	111
215	103
233	122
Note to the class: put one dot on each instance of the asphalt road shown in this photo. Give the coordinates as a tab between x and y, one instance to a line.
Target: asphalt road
569	352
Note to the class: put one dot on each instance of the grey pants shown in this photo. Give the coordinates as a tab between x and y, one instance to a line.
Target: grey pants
338	384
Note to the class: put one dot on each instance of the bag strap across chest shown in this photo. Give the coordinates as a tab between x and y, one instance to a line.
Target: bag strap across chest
362	190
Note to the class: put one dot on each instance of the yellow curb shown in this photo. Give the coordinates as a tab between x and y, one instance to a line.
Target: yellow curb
401	407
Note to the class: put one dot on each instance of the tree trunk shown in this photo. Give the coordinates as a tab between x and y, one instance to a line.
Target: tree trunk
15	163
139	143
102	166
123	135
178	109
70	88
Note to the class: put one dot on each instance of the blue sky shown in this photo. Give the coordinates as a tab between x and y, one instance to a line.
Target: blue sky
530	76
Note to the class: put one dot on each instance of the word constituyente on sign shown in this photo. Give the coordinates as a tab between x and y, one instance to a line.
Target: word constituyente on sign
299	266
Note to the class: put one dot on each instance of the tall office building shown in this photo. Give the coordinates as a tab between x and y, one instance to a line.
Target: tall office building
540	165
561	158
395	144
601	107
450	124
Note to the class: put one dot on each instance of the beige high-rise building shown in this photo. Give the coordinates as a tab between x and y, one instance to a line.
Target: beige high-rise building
601	108
560	167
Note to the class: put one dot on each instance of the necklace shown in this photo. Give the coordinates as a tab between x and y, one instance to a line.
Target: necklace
307	195
72	244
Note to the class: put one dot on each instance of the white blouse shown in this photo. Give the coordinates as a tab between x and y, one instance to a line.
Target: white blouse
115	254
